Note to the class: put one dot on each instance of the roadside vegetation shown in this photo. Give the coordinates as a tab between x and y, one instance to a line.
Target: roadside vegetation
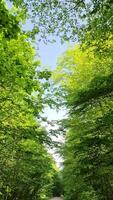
82	83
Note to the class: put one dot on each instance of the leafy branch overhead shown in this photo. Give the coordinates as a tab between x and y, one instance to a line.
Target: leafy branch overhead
70	19
82	84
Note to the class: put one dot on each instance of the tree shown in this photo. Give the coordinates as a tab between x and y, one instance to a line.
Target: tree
9	22
26	168
86	79
57	189
70	19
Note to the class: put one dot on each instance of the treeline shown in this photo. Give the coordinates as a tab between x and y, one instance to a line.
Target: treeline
85	73
27	170
88	84
85	86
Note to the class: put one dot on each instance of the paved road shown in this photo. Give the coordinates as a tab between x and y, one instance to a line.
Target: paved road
56	198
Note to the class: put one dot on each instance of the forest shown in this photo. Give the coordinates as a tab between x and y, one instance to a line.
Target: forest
81	83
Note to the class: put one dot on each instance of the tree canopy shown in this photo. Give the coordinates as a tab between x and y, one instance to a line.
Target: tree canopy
70	19
86	78
26	167
82	82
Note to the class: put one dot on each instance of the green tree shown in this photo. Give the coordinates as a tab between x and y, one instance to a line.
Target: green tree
9	22
26	169
86	79
70	19
57	189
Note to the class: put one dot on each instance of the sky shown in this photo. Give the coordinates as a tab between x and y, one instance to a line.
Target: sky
48	56
50	52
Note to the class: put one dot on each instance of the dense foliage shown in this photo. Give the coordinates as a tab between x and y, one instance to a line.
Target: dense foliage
57	188
85	73
26	168
85	85
86	77
70	19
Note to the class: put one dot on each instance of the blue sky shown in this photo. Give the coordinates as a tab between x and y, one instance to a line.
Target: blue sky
48	56
50	52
